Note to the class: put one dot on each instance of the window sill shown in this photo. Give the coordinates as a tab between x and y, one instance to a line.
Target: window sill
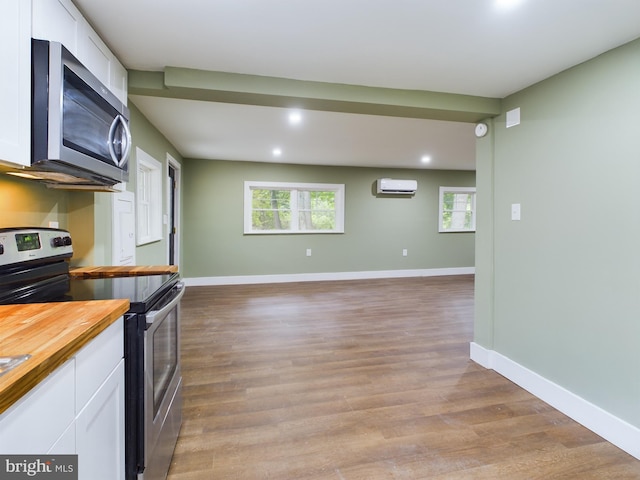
289	232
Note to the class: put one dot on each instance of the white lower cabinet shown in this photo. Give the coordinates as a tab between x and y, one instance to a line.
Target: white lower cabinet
35	422
100	431
66	443
79	408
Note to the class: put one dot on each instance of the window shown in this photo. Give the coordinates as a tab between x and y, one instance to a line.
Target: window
148	198
457	209
275	207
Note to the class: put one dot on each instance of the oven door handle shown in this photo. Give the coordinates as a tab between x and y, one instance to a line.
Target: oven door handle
153	314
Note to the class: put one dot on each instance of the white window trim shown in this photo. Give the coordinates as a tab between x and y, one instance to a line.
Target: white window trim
148	214
324	187
444	190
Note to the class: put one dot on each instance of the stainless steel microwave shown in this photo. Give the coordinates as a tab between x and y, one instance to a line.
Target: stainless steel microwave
80	130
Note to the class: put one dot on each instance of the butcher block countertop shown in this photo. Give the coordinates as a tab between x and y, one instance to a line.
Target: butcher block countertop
52	333
118	271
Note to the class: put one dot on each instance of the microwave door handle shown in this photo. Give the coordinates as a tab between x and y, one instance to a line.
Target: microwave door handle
122	161
127	147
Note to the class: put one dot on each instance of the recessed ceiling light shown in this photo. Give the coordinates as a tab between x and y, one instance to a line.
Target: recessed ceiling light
425	159
276	152
507	3
295	118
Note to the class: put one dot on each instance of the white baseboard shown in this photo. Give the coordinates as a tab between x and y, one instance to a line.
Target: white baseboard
316	277
608	426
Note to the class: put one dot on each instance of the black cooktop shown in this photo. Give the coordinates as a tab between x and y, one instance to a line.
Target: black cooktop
141	291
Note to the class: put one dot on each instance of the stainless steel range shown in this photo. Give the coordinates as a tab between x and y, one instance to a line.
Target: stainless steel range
34	268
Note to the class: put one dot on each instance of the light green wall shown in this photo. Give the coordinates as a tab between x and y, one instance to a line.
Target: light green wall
564	280
376	228
148	138
484	291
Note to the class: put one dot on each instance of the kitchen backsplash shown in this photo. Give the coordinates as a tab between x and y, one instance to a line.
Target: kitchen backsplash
27	203
31	204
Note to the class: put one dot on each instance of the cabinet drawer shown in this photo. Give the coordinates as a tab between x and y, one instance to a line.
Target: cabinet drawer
34	423
96	361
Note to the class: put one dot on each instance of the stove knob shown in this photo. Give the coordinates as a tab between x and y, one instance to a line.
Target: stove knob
57	242
1	249
66	241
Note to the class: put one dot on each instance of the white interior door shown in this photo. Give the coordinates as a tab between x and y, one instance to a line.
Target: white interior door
124	228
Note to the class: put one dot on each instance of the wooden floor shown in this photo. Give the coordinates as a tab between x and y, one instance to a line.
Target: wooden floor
362	380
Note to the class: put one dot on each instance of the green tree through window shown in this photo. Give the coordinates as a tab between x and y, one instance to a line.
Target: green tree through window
294	208
457	209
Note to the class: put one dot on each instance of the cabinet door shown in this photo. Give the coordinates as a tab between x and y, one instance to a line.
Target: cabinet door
95	55
37	420
66	444
96	361
100	61
15	81
59	21
119	81
124	228
100	431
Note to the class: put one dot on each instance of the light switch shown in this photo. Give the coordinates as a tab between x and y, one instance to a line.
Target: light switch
515	211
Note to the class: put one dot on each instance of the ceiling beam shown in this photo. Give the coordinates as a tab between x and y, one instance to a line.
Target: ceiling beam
185	83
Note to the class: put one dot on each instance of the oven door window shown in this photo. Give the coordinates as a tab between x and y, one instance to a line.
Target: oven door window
165	357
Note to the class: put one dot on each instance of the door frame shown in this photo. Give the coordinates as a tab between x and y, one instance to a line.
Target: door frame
173	163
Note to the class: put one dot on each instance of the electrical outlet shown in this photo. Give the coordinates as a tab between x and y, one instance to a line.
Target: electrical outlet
404	252
308	252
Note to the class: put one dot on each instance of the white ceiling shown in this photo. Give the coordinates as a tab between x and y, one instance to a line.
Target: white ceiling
469	47
244	132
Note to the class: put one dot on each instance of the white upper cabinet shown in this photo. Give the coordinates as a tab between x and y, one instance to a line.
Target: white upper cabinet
57	20
61	21
15	82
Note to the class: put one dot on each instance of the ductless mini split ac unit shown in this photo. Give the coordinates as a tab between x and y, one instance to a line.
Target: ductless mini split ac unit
391	186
